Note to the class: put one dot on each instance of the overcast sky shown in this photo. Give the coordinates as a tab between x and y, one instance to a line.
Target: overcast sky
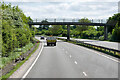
101	9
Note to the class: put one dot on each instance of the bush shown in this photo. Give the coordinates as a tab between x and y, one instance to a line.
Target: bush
101	38
15	29
4	61
116	33
15	54
109	36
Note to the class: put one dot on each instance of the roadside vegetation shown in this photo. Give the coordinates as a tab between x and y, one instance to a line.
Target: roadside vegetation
5	77
84	32
17	36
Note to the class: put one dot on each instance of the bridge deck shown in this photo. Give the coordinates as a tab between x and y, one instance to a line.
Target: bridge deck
67	23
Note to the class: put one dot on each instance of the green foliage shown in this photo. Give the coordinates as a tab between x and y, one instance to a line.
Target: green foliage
64	26
75	33
64	33
116	33
81	28
113	21
15	30
15	54
43	27
91	33
101	38
47	32
100	28
0	31
115	28
87	32
55	30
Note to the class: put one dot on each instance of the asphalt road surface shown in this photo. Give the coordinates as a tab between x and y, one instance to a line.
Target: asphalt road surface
112	45
66	60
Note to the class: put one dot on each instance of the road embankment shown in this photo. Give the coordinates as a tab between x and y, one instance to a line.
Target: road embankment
15	64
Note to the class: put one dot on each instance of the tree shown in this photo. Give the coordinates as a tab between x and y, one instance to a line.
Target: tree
74	33
64	33
100	28
116	33
113	21
45	27
56	30
15	29
81	28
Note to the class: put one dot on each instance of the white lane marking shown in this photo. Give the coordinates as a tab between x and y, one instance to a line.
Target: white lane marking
70	56
75	62
102	55
109	57
32	64
84	73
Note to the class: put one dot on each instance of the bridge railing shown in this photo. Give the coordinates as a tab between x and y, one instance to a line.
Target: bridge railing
70	20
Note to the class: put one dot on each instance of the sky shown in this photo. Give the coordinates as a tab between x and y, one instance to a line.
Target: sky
92	9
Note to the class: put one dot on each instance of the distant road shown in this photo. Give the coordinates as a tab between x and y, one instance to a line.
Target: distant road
113	45
67	60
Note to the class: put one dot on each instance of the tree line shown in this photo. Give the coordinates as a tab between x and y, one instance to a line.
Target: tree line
77	31
15	29
82	31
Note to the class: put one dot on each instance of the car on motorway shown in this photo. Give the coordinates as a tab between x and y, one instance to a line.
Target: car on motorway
51	40
42	37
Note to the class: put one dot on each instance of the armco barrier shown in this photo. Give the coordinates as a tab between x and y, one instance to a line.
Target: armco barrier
100	48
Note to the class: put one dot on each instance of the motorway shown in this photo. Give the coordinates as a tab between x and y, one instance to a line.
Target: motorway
107	44
67	60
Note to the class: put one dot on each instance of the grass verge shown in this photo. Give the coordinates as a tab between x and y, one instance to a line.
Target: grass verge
4	77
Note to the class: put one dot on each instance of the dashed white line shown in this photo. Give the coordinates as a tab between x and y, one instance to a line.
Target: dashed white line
70	56
32	64
75	62
84	73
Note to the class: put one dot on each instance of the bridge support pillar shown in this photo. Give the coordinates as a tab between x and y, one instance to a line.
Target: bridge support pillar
105	33
68	32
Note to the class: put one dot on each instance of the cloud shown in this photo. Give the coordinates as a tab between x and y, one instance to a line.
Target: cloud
60	0
42	10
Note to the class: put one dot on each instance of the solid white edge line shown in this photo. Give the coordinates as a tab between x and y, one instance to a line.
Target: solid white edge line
84	73
106	56
101	55
32	64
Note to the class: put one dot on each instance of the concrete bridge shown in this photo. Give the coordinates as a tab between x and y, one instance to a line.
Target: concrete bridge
98	22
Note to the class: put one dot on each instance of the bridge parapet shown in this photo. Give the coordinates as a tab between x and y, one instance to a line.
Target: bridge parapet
70	20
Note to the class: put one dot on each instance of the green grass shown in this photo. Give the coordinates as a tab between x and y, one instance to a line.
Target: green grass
4	77
14	54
